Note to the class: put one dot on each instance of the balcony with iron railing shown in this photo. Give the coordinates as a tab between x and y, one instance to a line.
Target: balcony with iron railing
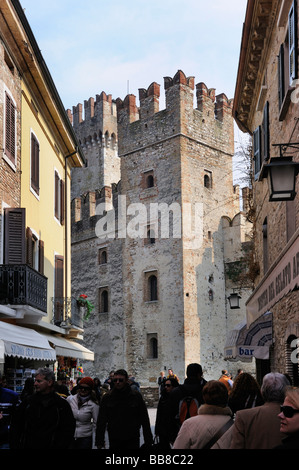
23	285
67	312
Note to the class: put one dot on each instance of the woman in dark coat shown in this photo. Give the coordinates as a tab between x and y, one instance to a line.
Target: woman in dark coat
163	426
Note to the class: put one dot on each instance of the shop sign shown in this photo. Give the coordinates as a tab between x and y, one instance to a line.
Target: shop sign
283	278
29	352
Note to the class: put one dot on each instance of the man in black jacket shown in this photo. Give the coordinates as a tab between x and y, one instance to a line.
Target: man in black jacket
44	420
192	387
123	411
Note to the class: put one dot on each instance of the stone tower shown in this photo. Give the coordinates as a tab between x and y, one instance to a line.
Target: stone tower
160	293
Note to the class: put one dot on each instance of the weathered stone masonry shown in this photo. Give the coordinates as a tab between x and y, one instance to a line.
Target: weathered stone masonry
186	155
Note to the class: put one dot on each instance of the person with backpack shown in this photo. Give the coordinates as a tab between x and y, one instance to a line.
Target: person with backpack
186	399
214	418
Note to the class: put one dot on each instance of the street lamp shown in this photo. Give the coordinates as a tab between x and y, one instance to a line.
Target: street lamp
281	173
234	300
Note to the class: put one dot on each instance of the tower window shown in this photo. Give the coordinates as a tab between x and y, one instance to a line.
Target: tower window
151	286
103	300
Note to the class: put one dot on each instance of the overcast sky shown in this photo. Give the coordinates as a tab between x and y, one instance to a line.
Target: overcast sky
118	46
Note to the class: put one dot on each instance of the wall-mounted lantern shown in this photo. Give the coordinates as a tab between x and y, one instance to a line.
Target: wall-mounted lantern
281	173
234	300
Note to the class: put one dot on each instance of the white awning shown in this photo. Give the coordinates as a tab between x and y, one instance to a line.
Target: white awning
69	348
23	342
244	343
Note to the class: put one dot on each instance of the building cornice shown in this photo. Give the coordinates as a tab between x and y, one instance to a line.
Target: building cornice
260	21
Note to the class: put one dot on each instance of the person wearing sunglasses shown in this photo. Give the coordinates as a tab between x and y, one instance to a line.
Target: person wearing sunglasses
85	409
289	419
123	412
163	424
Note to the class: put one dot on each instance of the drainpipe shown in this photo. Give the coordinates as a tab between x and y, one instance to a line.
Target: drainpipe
65	222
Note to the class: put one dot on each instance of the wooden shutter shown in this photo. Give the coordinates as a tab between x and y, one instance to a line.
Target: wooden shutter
56	196
58	276
62	196
293	42
10	128
281	82
257	151
34	164
14	236
41	256
29	244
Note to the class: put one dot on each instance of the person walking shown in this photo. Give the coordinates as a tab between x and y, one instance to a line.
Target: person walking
245	393
192	387
161	382
123	411
214	418
44	420
163	428
259	427
85	409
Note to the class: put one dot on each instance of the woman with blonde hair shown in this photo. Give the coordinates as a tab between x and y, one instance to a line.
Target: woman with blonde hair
289	419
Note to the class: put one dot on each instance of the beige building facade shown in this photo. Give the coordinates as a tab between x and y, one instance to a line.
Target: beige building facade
266	106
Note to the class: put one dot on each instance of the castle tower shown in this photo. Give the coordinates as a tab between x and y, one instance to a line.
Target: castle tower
160	293
181	158
97	134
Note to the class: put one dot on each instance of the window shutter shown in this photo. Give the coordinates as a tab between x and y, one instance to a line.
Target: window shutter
14	236
58	276
257	151
266	133
41	256
29	254
34	164
293	42
62	202
57	201
10	128
281	86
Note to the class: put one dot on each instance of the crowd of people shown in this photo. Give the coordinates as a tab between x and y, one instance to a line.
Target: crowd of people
225	413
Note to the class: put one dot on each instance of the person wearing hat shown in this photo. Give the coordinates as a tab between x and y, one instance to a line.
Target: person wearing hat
85	409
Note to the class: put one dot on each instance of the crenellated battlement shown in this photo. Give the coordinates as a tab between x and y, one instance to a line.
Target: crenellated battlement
178	88
211	117
83	207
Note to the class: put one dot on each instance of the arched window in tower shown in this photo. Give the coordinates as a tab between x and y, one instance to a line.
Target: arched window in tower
103	300
102	256
207	179
151	240
150	181
153	347
153	288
